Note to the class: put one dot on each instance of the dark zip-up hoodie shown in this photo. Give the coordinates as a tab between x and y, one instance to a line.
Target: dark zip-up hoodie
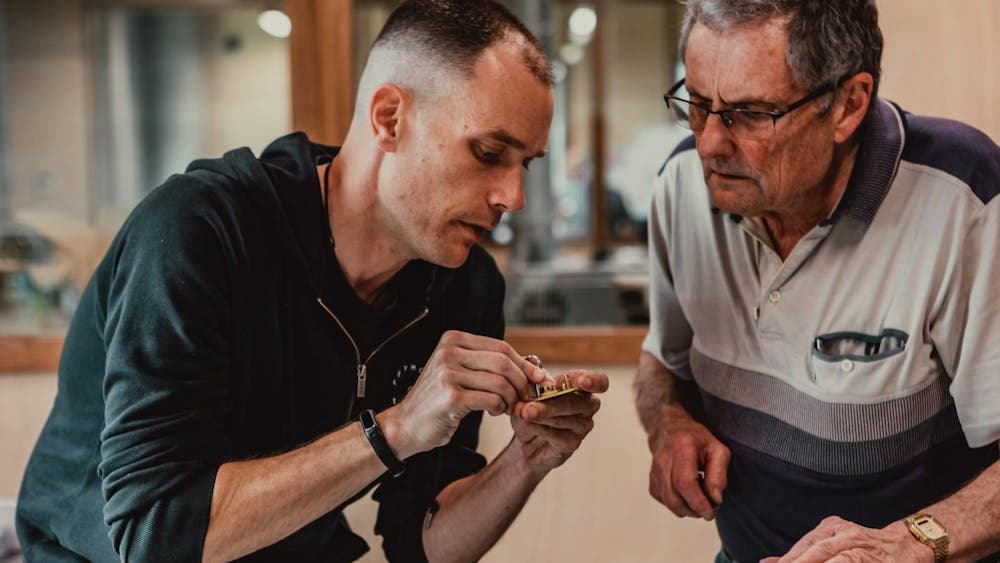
220	327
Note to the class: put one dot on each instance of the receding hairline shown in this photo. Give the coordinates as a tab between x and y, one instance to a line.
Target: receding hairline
532	56
426	74
455	33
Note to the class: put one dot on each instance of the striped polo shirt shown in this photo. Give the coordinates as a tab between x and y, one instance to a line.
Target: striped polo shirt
859	377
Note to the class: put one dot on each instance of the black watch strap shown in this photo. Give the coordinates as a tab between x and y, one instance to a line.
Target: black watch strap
378	443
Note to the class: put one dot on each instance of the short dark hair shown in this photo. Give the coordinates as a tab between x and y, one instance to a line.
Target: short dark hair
456	32
827	39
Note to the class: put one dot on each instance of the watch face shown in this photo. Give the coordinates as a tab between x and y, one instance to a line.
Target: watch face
930	528
367	419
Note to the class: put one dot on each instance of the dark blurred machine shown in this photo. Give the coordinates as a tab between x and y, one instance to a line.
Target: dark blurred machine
611	292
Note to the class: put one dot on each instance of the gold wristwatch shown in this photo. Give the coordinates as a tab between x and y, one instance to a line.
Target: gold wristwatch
929	532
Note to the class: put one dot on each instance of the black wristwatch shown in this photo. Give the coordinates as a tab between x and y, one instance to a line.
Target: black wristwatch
378	443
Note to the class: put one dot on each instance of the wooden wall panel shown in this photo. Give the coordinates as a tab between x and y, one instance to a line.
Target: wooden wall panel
942	58
322	81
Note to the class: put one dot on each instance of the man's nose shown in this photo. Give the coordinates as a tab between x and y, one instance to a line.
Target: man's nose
508	195
715	140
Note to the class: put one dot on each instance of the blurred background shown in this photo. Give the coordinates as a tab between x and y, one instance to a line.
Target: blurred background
101	100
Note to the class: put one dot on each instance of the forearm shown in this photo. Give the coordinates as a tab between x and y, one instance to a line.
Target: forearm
657	398
474	512
972	517
258	502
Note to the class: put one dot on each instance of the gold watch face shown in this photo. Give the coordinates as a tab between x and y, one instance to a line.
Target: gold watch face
930	527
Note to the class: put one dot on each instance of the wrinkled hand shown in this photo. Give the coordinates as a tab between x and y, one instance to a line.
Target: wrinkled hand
550	431
465	373
838	541
679	451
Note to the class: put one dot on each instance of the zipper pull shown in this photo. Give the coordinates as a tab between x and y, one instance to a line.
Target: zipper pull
362	380
431	511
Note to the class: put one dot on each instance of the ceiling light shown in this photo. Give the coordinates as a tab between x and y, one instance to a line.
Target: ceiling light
275	23
582	23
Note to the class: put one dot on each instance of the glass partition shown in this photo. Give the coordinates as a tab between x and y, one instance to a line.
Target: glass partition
101	102
566	260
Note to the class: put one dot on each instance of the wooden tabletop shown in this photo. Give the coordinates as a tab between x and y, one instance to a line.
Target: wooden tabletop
576	345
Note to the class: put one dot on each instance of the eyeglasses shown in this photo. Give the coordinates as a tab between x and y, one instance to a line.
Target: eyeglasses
753	125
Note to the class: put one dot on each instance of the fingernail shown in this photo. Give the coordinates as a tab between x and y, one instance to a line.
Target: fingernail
585	381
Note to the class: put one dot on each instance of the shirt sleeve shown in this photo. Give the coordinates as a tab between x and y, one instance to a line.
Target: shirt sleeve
966	333
670	335
166	376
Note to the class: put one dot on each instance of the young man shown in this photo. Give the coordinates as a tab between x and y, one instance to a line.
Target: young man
822	269
267	336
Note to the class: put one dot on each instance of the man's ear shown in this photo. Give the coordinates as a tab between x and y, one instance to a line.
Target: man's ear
385	115
856	93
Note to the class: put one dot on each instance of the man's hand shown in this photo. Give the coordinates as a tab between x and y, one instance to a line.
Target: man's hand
680	450
550	431
465	373
838	541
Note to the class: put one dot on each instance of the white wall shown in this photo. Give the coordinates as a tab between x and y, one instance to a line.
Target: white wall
25	401
594	508
47	107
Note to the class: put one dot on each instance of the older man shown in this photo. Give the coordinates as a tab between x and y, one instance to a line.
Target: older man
268	338
822	370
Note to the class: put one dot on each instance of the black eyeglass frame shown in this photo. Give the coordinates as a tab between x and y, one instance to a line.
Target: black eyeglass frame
774	115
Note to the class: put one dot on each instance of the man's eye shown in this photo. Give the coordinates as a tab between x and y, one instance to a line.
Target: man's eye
751	117
487	156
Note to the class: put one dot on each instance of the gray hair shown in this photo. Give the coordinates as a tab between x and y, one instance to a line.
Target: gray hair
828	40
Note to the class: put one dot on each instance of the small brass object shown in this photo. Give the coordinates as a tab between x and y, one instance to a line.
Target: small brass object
562	387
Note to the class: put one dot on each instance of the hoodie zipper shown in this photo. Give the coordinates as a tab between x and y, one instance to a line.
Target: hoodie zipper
362	367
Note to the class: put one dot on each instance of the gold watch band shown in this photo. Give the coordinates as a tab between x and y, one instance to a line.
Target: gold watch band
938	541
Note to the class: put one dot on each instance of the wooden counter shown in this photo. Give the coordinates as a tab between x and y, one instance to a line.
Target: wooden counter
25	354
580	345
583	345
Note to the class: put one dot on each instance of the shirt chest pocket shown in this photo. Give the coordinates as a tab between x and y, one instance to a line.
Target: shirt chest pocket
856	364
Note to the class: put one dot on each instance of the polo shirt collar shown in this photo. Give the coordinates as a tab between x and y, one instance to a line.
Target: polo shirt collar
875	165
